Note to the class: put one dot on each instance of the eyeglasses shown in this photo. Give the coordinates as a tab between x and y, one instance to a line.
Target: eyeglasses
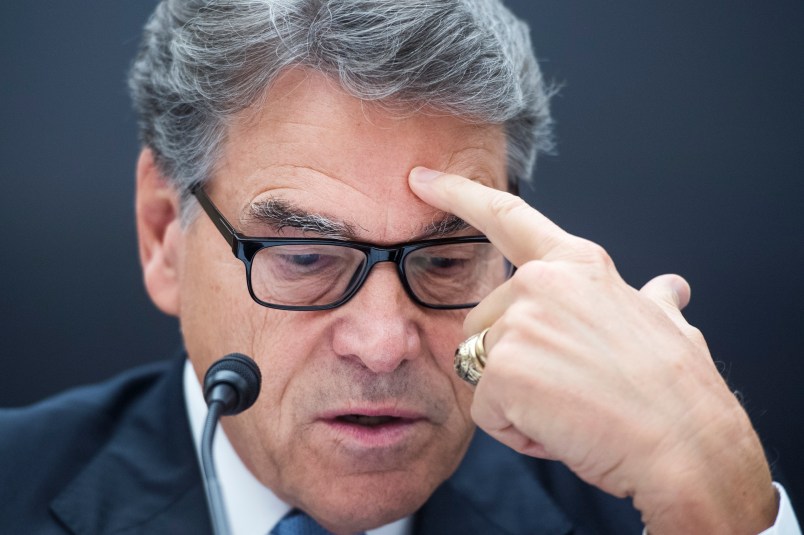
321	274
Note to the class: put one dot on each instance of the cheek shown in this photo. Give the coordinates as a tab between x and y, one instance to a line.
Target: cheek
219	317
443	333
283	344
215	308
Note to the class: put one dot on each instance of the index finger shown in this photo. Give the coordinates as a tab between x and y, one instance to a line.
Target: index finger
519	231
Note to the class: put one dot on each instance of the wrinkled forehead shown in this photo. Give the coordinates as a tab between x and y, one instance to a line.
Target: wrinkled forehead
312	146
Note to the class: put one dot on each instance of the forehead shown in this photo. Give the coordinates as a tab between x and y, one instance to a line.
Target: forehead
309	143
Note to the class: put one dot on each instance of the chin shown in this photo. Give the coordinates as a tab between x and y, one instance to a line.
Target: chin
358	503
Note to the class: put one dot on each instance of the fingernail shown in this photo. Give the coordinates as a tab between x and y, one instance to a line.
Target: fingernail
423	174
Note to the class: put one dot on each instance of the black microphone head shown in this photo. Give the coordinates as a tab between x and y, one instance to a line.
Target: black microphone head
241	374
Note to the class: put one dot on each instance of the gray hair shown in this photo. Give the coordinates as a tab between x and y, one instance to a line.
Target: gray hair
202	61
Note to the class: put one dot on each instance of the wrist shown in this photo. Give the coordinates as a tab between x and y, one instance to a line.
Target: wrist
718	482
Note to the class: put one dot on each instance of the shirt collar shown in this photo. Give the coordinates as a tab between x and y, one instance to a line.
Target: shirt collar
251	507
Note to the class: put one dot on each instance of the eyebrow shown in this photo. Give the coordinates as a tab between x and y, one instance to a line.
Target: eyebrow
281	214
441	228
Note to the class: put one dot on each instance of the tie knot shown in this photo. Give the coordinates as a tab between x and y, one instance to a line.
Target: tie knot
298	522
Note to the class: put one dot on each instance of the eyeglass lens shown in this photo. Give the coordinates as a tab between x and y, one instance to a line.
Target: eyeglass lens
320	275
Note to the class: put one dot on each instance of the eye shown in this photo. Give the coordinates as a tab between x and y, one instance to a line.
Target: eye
309	263
443	262
438	264
303	260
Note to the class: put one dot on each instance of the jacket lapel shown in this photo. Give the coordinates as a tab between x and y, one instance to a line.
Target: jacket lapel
494	491
146	478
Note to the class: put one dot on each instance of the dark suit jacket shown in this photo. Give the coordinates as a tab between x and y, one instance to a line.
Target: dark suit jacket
119	458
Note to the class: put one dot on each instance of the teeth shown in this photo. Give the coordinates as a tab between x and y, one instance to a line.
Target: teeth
369	421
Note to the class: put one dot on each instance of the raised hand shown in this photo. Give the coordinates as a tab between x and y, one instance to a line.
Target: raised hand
613	382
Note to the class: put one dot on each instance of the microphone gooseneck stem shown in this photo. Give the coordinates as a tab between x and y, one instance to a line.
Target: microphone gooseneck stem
220	523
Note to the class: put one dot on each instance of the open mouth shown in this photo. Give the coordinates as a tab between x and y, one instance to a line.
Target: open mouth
364	429
369	421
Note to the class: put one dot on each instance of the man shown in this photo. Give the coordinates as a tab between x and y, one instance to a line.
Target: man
348	152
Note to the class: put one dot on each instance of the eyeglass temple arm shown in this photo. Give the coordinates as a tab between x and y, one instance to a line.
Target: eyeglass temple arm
216	216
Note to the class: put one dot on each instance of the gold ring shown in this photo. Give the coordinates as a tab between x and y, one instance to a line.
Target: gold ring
470	358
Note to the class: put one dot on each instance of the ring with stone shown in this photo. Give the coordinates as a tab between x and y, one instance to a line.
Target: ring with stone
470	358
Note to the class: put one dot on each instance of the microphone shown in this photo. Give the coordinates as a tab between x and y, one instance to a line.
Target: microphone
231	385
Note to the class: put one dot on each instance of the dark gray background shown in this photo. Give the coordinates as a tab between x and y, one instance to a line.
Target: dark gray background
681	134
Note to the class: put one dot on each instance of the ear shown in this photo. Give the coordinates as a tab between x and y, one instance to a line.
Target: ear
159	234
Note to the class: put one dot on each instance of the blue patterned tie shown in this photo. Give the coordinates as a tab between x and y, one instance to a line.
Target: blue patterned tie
298	522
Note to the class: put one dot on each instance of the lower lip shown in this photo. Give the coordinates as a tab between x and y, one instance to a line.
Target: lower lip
386	435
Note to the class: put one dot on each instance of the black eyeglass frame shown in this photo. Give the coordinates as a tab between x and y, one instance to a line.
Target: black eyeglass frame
245	249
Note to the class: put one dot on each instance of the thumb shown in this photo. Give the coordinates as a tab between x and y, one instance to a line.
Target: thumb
671	292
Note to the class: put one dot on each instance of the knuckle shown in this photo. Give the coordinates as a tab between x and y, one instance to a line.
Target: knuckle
523	324
556	283
503	365
502	205
510	323
694	334
594	253
532	275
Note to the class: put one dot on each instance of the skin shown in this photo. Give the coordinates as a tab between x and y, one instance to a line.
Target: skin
614	383
330	154
564	380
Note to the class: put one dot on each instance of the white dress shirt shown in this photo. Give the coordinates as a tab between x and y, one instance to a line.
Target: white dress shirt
252	509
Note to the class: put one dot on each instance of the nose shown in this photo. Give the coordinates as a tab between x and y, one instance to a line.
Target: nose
379	327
